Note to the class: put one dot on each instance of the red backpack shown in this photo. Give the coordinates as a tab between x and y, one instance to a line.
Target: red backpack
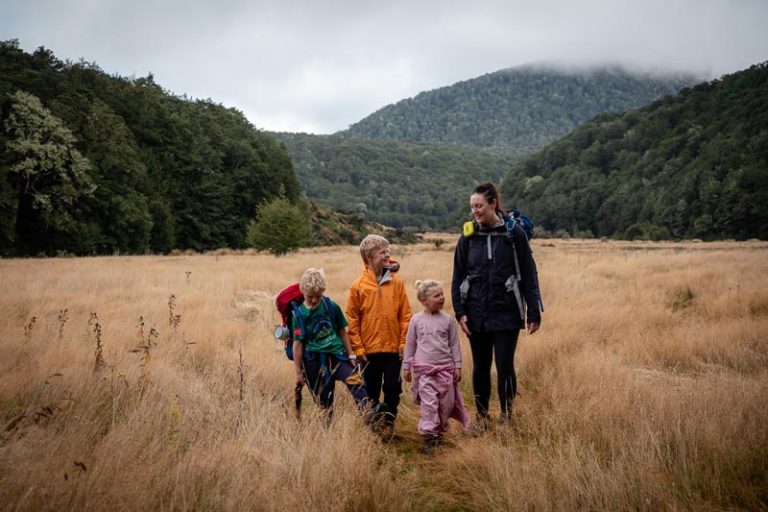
284	299
288	301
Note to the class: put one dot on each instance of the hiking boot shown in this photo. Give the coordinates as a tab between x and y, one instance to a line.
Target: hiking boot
430	444
378	414
386	430
506	419
479	427
380	421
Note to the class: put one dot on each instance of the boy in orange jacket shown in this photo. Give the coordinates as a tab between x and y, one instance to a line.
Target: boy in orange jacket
378	312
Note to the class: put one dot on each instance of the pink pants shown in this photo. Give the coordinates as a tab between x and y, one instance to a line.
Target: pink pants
439	396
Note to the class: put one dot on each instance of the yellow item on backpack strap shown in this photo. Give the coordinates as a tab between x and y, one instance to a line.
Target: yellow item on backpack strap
469	228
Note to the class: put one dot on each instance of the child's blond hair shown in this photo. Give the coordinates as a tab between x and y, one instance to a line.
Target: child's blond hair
423	287
370	243
313	280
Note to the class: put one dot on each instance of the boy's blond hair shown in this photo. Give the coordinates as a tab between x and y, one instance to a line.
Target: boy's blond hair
423	287
313	280
370	243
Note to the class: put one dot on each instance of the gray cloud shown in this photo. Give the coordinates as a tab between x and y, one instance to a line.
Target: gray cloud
299	65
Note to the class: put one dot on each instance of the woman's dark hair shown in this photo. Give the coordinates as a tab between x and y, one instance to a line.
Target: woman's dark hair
489	191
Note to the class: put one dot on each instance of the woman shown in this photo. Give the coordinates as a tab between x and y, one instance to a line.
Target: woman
495	293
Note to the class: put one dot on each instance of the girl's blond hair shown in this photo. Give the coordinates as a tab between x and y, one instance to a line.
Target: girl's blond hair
313	280
422	287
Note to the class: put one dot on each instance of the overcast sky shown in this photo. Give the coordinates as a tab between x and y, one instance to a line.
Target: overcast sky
318	66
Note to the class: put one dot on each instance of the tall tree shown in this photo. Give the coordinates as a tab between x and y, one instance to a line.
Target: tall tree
43	178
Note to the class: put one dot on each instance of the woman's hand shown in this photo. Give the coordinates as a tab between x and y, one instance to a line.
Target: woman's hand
533	327
407	374
457	375
463	325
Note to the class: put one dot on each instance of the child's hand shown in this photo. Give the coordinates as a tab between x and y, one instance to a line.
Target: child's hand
457	375
299	379
407	374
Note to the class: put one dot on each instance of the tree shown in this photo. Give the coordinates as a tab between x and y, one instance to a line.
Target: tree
280	227
43	178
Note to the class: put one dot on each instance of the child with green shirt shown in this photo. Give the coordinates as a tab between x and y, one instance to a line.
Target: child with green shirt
321	343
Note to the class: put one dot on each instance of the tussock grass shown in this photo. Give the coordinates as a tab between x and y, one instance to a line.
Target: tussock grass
646	389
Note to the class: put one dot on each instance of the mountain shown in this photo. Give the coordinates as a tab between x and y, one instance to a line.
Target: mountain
414	163
692	165
399	184
515	111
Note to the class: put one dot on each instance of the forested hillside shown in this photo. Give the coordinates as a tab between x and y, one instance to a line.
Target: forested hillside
399	184
517	110
690	165
92	163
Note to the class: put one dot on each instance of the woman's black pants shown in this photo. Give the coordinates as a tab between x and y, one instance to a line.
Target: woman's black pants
483	345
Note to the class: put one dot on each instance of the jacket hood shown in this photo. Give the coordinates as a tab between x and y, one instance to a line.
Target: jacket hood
394	266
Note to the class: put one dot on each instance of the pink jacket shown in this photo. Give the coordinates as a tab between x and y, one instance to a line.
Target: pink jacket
442	376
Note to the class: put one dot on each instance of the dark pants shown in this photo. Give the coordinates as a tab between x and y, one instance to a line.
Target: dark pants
321	378
483	345
383	373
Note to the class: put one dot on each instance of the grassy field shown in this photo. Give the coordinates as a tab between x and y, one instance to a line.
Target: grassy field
153	383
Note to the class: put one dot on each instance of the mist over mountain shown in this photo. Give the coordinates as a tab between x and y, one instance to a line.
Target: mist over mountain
517	110
413	163
691	165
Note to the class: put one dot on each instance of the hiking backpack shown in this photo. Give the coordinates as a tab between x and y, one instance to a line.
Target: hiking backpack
513	282
525	222
287	301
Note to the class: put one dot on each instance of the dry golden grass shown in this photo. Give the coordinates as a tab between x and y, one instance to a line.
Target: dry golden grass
646	389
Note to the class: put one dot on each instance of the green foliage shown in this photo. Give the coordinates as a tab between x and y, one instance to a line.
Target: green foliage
693	165
459	136
168	172
44	177
514	111
398	184
280	227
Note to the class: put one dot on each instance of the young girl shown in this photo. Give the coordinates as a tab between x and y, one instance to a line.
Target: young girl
432	360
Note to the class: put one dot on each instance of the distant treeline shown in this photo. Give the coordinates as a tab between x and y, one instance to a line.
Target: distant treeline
98	164
398	184
693	165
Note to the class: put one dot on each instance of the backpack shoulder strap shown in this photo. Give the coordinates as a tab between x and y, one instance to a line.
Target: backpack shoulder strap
300	318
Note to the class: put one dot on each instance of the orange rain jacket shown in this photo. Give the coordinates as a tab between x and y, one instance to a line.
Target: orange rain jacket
378	313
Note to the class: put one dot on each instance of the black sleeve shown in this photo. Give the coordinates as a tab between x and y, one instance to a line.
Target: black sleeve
459	273
529	276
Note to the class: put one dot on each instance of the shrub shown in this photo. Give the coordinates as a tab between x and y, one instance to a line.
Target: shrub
280	227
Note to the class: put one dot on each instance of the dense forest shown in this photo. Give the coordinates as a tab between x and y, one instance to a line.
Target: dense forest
693	165
399	184
515	111
92	163
412	164
98	164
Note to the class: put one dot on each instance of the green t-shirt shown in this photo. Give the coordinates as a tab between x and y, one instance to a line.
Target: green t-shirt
321	328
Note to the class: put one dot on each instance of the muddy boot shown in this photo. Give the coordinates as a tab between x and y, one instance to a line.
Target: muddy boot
430	444
506	419
480	426
381	421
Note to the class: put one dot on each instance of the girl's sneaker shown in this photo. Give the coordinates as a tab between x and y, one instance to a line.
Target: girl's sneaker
430	444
